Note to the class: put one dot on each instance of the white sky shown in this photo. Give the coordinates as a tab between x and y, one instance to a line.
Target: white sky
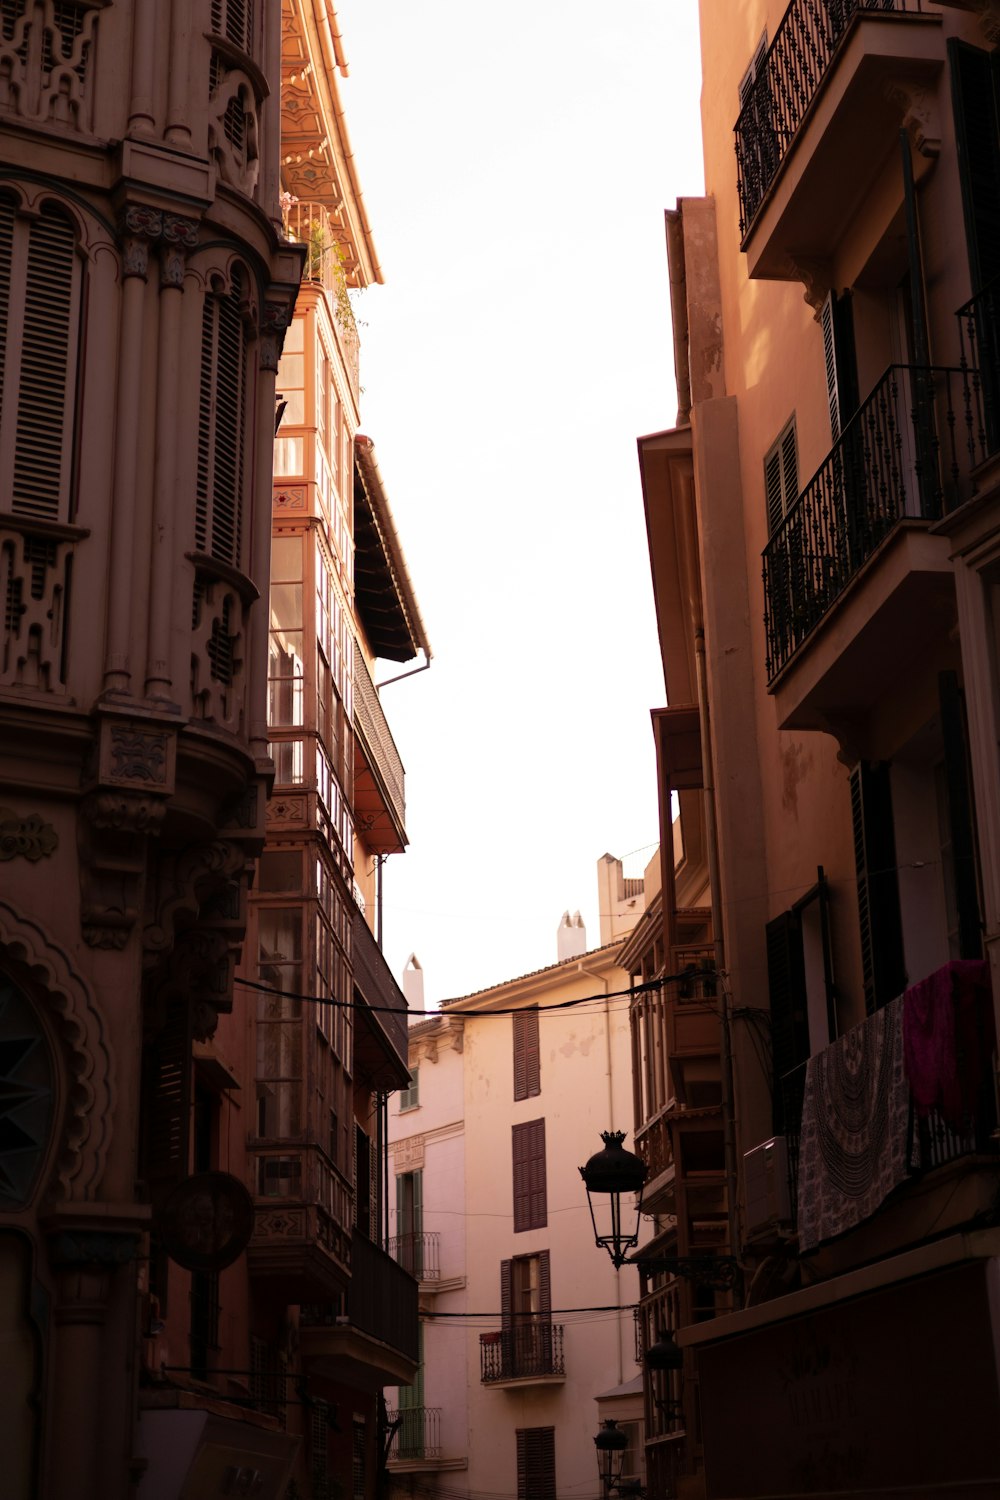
516	161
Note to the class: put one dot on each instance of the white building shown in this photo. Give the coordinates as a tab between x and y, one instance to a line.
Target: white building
525	1321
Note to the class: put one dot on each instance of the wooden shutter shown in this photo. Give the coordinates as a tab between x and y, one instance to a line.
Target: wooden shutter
168	1102
781	477
222	427
880	922
39	335
506	1315
528	1156
974	94
963	844
527	1075
233	19
786	978
830	363
6	256
536	1463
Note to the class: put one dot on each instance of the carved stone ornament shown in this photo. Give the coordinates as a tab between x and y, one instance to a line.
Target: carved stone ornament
26	837
140	224
274	324
816	279
86	1125
134	753
290	497
113	828
920	115
179	238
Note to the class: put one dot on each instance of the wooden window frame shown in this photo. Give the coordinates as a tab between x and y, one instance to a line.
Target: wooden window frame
529	1175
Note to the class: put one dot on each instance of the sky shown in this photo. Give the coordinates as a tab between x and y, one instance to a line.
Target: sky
516	162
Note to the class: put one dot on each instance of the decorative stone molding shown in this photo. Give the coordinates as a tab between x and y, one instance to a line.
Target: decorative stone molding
140	225
920	115
816	277
179	238
25	837
277	317
87	1123
290	497
233	126
34	570
45	63
988	12
184	881
113	829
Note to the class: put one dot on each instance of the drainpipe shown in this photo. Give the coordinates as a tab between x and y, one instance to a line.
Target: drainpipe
712	839
592	974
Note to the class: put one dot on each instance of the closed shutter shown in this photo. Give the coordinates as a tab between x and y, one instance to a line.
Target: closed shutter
40	280
528	1154
222	428
880	922
970	937
536	1463
233	19
830	363
527	1076
786	978
974	93
506	1315
781	477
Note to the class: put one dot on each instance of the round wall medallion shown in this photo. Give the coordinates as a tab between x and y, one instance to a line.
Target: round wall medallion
206	1222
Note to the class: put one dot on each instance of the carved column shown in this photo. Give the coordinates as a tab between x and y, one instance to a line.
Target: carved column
270	186
140	225
179	236
85	1263
182	46
142	120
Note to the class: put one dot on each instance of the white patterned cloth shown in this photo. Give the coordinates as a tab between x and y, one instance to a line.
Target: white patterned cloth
855	1145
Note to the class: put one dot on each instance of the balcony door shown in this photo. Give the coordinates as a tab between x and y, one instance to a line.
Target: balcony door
526	1307
410	1222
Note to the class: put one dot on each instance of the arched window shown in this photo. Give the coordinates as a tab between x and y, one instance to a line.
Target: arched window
40	292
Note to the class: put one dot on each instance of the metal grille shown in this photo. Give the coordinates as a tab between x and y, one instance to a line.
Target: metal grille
776	101
530	1348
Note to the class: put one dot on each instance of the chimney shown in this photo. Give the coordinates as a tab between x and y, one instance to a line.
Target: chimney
413	983
571	938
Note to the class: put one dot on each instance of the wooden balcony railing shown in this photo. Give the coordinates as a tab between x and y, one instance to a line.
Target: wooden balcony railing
376	738
805	45
312	225
528	1349
381	1301
905	454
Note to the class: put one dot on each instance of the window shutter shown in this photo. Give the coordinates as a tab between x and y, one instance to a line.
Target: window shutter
6	255
960	816
781	477
168	1102
973	86
528	1156
536	1463
881	929
222	427
506	1315
830	361
233	19
45	377
527	1079
786	978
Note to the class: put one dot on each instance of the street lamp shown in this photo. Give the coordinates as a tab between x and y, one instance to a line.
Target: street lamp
614	1171
610	1443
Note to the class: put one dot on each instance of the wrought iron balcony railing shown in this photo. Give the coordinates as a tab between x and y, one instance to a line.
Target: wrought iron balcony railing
528	1349
979	334
808	38
418	1253
376	738
906	453
417	1435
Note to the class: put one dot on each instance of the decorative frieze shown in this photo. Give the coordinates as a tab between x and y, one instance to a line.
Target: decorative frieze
34	581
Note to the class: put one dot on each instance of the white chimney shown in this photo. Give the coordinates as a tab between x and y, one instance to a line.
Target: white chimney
413	983
571	938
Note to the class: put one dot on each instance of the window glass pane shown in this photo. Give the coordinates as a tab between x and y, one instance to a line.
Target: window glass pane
286	559
288	453
288	762
279	870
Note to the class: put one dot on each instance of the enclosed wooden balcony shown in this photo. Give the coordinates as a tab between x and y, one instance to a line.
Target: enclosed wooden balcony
302	1214
380	1026
854	568
379	778
370	1337
821	118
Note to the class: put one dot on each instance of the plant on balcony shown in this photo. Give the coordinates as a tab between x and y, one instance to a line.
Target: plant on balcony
325	263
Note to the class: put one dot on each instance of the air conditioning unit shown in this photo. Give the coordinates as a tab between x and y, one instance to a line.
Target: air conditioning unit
765	1178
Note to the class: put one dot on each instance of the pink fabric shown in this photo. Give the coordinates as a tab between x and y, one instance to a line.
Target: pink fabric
948	1039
